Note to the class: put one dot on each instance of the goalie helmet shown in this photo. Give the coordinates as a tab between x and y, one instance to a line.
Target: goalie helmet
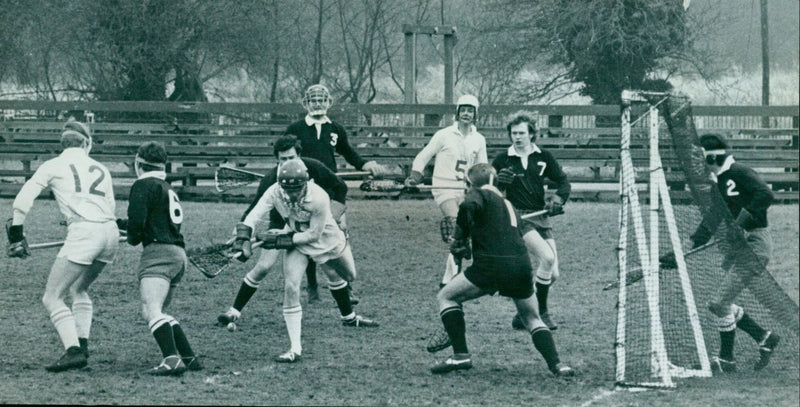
481	174
293	175
76	130
468	100
317	100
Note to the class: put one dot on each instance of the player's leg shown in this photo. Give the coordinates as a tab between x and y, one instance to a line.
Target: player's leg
340	271
154	292
449	209
541	336
539	251
175	272
82	307
294	265
458	290
545	277
249	286
311	278
63	274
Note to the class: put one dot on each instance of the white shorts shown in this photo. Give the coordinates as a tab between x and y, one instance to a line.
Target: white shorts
329	246
88	241
443	195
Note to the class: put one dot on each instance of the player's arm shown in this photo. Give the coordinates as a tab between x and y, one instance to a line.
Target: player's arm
29	192
138	209
347	151
465	220
327	179
319	209
753	211
270	178
261	209
422	159
505	175
556	174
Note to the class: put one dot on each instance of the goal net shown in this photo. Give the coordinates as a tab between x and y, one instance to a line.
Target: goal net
665	330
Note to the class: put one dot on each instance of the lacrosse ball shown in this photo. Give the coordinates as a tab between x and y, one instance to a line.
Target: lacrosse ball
232	326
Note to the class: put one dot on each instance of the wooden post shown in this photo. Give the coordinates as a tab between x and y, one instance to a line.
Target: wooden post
764	61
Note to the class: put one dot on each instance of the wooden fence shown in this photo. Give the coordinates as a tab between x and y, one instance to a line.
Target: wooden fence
201	136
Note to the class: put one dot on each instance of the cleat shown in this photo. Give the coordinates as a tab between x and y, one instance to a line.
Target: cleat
313	294
231	315
719	365
84	342
549	322
170	366
288	357
517	323
438	341
360	321
452	364
192	363
562	370
766	347
73	358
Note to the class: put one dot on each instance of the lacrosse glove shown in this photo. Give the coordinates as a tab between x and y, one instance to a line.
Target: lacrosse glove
413	179
373	167
505	177
122	224
282	241
460	249
17	244
555	206
242	243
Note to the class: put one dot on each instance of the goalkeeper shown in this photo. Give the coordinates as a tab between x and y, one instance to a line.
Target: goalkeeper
286	148
747	197
522	170
501	265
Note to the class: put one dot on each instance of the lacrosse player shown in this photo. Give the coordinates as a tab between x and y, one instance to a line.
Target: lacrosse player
320	138
286	148
154	219
85	195
501	264
456	148
521	173
748	198
310	233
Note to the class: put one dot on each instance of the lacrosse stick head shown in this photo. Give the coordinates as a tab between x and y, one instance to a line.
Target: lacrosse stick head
210	260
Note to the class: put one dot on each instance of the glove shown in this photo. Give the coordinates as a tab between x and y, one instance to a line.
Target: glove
555	206
447	228
668	261
122	224
460	249
746	220
413	179
505	177
373	168
277	242
17	244
242	243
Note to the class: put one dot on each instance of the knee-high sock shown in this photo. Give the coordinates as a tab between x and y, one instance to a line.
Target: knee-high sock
752	328
162	330
311	274
246	290
294	324
541	296
82	311
454	325
342	297
181	343
543	342
64	323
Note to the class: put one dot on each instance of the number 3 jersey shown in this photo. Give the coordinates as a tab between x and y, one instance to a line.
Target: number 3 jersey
454	152
82	188
154	211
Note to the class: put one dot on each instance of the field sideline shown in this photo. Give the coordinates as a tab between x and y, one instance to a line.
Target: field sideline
399	256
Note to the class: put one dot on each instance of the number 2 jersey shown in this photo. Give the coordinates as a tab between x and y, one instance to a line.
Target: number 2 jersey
154	211
454	152
81	185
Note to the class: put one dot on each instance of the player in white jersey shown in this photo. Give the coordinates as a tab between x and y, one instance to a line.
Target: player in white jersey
85	195
456	148
310	233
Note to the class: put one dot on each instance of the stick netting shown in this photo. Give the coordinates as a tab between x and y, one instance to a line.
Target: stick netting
226	178
210	260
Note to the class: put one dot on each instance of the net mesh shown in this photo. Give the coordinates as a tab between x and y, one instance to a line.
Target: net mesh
228	178
210	260
693	197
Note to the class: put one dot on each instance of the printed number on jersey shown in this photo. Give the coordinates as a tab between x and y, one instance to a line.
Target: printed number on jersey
175	209
96	173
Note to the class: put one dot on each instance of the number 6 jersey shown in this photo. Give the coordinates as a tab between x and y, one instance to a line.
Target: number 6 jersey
154	211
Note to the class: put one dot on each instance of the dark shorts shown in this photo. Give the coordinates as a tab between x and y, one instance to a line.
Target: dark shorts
510	276
161	260
755	260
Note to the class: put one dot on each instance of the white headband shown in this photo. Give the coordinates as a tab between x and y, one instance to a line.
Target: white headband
715	152
160	166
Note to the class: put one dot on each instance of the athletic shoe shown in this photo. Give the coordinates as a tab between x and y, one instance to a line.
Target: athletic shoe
517	323
84	342
288	357
360	321
720	365
231	315
313	294
73	358
192	363
547	321
439	340
462	363
562	370
766	347
170	366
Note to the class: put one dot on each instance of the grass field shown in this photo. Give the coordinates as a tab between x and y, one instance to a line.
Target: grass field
399	256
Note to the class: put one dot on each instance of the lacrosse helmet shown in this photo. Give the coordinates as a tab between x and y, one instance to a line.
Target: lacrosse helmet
293	175
481	174
73	130
468	100
317	100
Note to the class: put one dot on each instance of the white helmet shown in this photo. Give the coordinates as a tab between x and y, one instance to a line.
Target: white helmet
321	98
468	100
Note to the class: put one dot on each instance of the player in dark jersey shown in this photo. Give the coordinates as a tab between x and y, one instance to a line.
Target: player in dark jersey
747	197
521	173
154	219
320	138
286	148
500	264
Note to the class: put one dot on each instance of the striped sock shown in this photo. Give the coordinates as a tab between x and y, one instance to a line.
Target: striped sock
82	311
64	322
543	342
294	324
162	331
454	325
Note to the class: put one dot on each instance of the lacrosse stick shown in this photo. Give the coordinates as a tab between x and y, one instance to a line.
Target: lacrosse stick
636	274
60	243
398	186
228	178
213	260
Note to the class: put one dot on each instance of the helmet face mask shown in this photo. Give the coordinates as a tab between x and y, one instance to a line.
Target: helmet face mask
317	100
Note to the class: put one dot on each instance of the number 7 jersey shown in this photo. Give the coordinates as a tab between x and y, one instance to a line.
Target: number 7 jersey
81	185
